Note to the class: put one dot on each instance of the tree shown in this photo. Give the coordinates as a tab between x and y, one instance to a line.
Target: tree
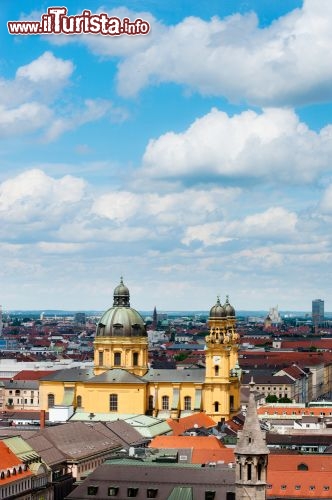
271	398
285	399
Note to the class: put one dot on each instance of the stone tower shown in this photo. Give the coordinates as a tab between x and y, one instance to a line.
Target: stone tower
222	378
251	454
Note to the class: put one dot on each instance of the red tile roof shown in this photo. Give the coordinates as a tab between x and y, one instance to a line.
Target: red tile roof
286	480
31	374
199	419
295	411
204	449
8	461
197	442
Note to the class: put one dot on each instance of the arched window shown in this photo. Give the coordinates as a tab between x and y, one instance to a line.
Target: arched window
216	406
117	359
79	402
135	358
216	370
302	466
113	402
151	403
50	400
259	471
187	403
165	403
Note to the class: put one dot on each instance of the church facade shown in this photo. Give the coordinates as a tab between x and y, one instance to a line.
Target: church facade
122	382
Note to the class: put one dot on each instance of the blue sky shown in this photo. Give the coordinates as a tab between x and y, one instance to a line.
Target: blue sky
194	161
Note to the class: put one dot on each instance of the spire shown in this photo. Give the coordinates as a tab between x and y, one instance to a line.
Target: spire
251	440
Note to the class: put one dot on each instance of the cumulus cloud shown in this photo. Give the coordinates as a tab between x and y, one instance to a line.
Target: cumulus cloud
284	63
29	101
173	208
46	69
25	118
273	144
33	196
275	223
41	79
25	101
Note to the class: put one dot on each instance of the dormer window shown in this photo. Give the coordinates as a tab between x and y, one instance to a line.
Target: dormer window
136	330
101	330
118	329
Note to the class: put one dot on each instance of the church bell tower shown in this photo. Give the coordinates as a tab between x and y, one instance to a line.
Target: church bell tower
222	377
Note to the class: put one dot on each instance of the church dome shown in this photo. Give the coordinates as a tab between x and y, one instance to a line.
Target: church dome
229	309
217	311
121	320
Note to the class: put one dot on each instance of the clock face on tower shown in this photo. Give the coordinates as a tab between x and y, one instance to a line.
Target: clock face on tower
216	359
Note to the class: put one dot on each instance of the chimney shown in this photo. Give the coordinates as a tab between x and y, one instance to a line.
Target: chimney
42	419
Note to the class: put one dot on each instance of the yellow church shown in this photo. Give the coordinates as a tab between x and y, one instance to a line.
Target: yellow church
122	382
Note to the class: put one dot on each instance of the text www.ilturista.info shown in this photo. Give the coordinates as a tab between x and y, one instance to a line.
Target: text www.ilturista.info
57	22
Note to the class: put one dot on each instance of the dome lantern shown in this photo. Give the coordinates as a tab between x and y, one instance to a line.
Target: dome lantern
121	296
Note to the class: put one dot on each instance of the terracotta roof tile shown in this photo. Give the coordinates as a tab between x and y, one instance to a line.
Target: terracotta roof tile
202	443
199	419
8	460
31	374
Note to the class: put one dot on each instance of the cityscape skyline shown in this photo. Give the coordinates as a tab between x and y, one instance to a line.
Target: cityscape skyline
195	160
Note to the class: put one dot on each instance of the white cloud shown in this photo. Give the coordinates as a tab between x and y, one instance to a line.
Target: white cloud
94	109
168	209
25	118
46	69
59	247
25	101
33	196
29	102
208	234
273	144
326	201
41	80
275	223
284	63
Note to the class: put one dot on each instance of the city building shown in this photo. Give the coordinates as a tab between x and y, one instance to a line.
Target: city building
122	382
317	312
164	474
80	318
